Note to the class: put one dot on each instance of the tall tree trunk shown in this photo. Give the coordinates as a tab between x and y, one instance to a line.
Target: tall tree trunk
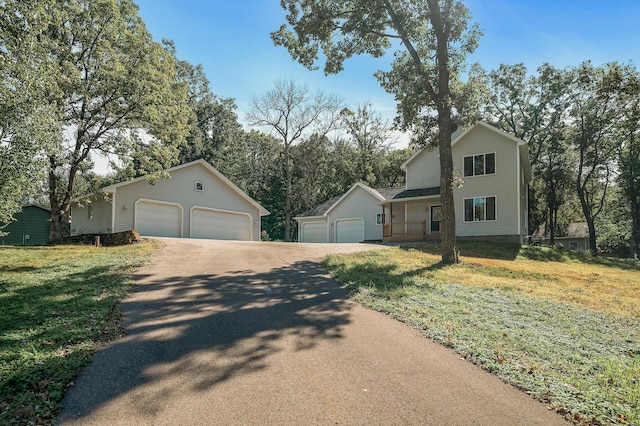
60	204
287	195
635	228
588	216
448	224
553	223
57	214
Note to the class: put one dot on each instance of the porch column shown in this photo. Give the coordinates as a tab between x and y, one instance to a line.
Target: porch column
391	219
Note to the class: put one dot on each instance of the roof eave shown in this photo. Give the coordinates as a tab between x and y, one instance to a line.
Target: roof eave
396	200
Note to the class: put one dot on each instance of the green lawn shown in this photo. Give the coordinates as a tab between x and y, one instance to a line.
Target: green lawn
563	327
59	305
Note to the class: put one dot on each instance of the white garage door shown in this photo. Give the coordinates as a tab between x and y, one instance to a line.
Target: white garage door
314	232
158	219
349	230
220	224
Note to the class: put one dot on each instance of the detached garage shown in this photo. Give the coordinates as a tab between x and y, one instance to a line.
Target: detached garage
353	217
158	218
196	201
220	224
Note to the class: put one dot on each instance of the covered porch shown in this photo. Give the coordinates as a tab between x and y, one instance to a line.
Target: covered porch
412	215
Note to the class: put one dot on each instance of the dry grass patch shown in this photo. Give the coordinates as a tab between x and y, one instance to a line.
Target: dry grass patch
607	285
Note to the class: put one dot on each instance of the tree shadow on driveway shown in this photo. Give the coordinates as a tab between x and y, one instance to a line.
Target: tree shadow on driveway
190	334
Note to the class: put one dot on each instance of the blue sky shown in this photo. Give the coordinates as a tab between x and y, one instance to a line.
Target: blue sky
231	41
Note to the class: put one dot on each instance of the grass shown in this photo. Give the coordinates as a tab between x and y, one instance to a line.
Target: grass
59	305
562	326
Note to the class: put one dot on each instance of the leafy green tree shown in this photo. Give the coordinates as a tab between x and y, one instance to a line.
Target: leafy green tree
370	135
111	83
592	136
27	122
291	112
425	76
628	123
213	122
614	224
387	168
534	108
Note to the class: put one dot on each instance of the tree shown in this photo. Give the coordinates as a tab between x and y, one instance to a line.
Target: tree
424	76
291	112
213	122
27	123
592	136
628	123
110	82
534	109
370	135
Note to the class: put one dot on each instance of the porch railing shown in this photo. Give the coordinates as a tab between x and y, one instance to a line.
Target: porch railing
404	229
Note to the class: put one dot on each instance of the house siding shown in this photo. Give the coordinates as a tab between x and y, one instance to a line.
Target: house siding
424	170
357	204
180	188
503	184
101	218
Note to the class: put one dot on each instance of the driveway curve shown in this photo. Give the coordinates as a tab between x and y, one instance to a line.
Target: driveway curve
222	332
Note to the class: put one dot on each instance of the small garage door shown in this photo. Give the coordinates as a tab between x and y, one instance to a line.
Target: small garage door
158	219
314	232
349	230
220	224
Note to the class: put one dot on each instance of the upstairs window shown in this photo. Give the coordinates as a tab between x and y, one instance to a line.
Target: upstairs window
199	186
480	164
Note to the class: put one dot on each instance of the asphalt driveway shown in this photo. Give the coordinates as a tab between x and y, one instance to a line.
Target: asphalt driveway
256	333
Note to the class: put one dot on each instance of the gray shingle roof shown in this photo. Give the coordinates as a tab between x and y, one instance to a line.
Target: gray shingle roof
321	209
389	193
421	192
386	193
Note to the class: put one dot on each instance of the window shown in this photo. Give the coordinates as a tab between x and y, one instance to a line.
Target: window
378	218
479	209
199	186
480	164
90	212
573	245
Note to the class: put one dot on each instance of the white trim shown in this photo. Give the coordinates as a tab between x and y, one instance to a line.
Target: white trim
249	215
344	219
301	218
379	215
520	142
520	180
167	203
495	164
302	224
356	185
263	211
402	200
464	219
113	212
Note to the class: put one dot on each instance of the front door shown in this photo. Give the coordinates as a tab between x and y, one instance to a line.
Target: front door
436	216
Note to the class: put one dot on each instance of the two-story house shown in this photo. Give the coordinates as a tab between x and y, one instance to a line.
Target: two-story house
491	204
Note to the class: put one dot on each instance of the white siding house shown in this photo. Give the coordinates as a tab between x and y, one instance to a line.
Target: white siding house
196	201
492	202
352	217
